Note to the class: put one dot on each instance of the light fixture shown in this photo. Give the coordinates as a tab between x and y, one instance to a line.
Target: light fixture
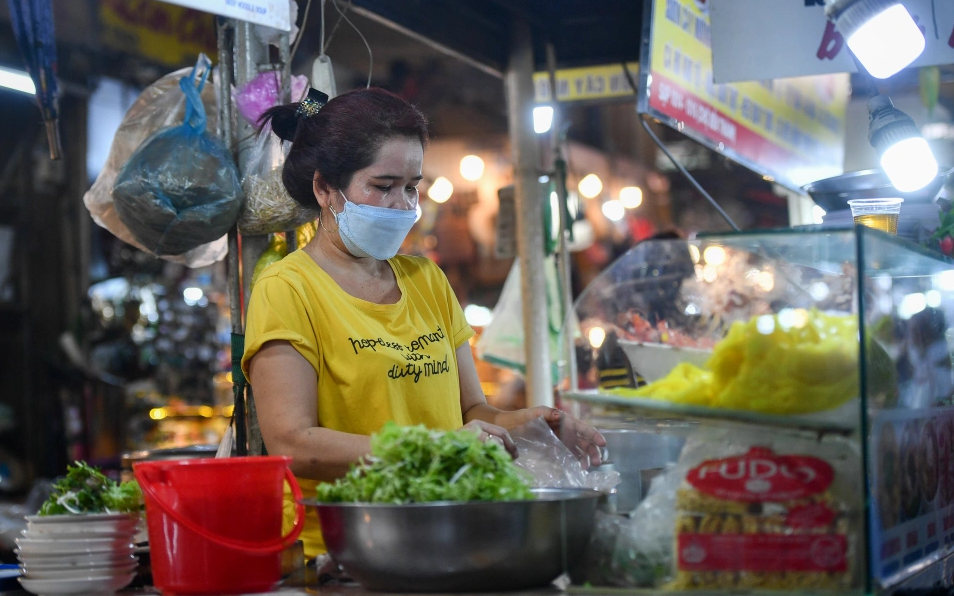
614	210
472	168
17	80
714	255
880	33
477	316
420	212
192	295
440	190
591	186
631	196
905	156
596	336
542	119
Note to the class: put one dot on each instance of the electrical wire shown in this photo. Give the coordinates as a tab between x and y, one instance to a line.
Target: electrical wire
334	29
672	158
301	31
361	35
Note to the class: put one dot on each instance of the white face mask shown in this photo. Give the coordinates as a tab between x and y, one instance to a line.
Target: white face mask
369	231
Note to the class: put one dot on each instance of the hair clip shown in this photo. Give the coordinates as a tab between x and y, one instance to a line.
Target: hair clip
313	102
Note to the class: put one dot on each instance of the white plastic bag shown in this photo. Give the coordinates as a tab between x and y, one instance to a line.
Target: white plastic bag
551	464
161	105
268	206
501	343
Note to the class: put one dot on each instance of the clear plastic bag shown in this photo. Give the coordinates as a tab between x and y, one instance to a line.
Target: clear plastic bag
180	189
550	462
161	105
642	555
501	342
268	206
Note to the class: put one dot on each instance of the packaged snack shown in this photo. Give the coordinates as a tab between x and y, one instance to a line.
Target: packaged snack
767	512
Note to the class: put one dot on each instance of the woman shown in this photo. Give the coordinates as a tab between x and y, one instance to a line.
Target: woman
344	335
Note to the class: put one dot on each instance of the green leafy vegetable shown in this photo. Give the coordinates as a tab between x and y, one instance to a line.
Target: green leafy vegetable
85	489
416	465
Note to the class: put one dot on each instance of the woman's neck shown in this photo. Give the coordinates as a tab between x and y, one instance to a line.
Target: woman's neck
324	250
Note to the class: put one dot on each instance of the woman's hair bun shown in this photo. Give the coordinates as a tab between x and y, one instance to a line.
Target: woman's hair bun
284	120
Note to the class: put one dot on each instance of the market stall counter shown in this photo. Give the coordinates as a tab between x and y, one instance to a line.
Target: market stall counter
810	373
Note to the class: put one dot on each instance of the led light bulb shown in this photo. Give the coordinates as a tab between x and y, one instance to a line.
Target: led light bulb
440	190
472	168
542	119
591	186
631	197
884	38
905	156
909	164
597	336
614	210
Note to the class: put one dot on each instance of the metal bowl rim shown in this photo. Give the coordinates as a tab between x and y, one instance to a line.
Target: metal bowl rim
565	494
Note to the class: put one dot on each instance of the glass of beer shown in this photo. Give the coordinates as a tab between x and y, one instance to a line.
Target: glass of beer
880	214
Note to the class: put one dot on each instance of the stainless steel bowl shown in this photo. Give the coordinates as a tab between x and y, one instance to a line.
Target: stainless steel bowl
460	547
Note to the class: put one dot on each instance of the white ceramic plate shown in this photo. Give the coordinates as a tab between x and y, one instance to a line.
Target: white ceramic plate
91	586
81	572
66	557
77	563
89	545
106	523
654	361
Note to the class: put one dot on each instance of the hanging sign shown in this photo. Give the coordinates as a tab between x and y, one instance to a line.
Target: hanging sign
271	13
791	131
170	35
586	84
753	40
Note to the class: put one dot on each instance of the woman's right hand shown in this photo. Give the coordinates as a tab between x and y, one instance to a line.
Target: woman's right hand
490	432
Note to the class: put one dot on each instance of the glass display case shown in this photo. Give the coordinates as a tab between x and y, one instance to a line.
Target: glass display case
787	344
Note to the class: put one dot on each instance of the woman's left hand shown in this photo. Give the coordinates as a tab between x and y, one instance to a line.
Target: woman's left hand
582	439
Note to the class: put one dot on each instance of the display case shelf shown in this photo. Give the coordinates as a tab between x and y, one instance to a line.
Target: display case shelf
606	409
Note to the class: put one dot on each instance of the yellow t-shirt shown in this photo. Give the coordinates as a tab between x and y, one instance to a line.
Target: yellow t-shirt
375	362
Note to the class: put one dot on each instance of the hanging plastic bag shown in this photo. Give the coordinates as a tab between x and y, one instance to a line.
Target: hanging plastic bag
263	92
161	105
501	342
268	206
181	188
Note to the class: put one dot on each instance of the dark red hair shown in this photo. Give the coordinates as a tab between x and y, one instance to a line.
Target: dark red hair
342	138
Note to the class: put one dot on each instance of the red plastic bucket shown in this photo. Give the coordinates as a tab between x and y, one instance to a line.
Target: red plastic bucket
215	525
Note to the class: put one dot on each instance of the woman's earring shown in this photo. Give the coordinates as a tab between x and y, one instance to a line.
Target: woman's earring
322	223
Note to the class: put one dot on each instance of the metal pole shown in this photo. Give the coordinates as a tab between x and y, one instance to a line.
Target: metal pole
226	43
530	245
250	54
559	162
284	55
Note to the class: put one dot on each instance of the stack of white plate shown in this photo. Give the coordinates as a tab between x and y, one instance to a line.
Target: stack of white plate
77	554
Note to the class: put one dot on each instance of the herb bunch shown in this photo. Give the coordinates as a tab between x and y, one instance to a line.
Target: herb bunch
416	465
86	490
